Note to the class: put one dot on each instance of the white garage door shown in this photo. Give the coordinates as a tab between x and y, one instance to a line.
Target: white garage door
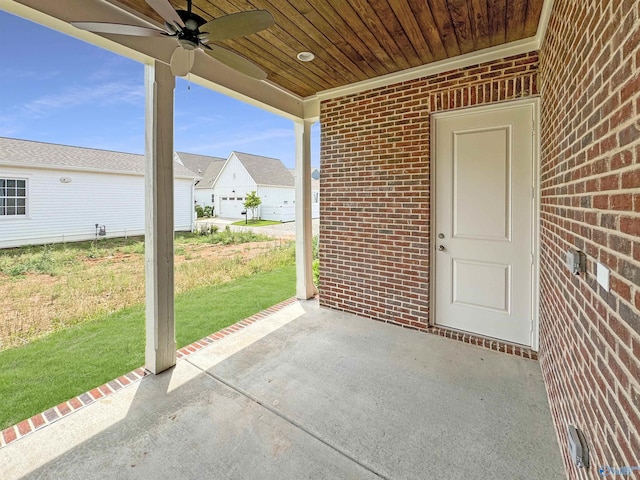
231	207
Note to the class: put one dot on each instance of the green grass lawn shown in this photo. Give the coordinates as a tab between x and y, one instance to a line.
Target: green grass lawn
67	363
256	223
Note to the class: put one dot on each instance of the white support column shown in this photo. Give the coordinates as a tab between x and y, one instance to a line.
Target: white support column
160	353
304	232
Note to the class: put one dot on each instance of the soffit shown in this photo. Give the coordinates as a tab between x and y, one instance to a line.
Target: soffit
358	40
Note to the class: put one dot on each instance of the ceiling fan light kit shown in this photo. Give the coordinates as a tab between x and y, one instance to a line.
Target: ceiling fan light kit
182	60
194	33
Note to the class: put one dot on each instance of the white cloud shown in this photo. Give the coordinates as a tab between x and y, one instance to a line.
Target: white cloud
103	94
241	138
8	127
14	74
114	66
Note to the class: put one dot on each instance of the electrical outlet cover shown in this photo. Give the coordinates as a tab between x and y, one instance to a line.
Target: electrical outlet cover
602	275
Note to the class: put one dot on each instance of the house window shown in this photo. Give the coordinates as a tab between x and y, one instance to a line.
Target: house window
13	197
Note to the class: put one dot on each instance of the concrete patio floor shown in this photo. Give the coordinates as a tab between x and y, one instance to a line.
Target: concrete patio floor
311	393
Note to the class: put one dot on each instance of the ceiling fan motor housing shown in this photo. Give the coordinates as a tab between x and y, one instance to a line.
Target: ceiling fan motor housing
188	37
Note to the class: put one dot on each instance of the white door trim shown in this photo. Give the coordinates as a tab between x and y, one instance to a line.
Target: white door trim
535	241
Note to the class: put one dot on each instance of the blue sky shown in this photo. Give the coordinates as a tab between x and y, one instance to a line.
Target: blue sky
54	88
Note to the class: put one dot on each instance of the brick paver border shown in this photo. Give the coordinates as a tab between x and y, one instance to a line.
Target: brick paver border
488	343
41	420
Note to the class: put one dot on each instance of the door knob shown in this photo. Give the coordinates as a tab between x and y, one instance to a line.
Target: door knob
441	248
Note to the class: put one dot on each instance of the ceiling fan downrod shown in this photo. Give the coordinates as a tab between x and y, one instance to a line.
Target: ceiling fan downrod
188	36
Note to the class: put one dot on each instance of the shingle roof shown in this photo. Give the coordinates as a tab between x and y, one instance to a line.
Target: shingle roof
198	164
265	170
315	182
211	173
27	153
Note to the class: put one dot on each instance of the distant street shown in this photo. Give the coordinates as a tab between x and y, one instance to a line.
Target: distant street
282	230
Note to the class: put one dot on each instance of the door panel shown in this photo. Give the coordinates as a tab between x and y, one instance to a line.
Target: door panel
481	285
483	161
477	215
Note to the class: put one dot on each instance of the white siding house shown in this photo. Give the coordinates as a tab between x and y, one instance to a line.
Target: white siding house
244	173
54	193
204	186
226	186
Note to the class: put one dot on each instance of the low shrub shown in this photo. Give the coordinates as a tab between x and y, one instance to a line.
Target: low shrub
316	272
40	261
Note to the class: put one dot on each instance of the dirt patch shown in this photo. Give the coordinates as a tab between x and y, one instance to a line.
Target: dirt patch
33	305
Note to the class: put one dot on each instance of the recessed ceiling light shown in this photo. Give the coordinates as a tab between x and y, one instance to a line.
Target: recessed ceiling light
306	56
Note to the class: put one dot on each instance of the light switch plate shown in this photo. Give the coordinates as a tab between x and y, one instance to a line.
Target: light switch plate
602	275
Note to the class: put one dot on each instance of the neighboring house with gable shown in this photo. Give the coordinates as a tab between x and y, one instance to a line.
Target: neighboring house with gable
198	164
204	186
226	187
56	193
244	173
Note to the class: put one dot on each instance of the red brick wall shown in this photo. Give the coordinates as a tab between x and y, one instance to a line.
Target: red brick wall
374	233
590	167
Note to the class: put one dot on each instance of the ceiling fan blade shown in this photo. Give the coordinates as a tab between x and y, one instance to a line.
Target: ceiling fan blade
182	61
235	61
166	11
237	24
98	27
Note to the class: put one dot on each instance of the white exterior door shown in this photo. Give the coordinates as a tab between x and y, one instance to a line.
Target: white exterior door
231	207
483	235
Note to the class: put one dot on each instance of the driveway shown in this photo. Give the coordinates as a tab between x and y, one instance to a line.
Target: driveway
309	393
281	230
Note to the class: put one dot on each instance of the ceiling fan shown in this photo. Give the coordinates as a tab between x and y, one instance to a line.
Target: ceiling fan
193	32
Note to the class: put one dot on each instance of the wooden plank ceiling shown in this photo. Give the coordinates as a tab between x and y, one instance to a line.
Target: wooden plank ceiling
355	40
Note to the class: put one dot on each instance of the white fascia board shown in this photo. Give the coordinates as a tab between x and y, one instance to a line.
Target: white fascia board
311	109
206	72
65	168
545	15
